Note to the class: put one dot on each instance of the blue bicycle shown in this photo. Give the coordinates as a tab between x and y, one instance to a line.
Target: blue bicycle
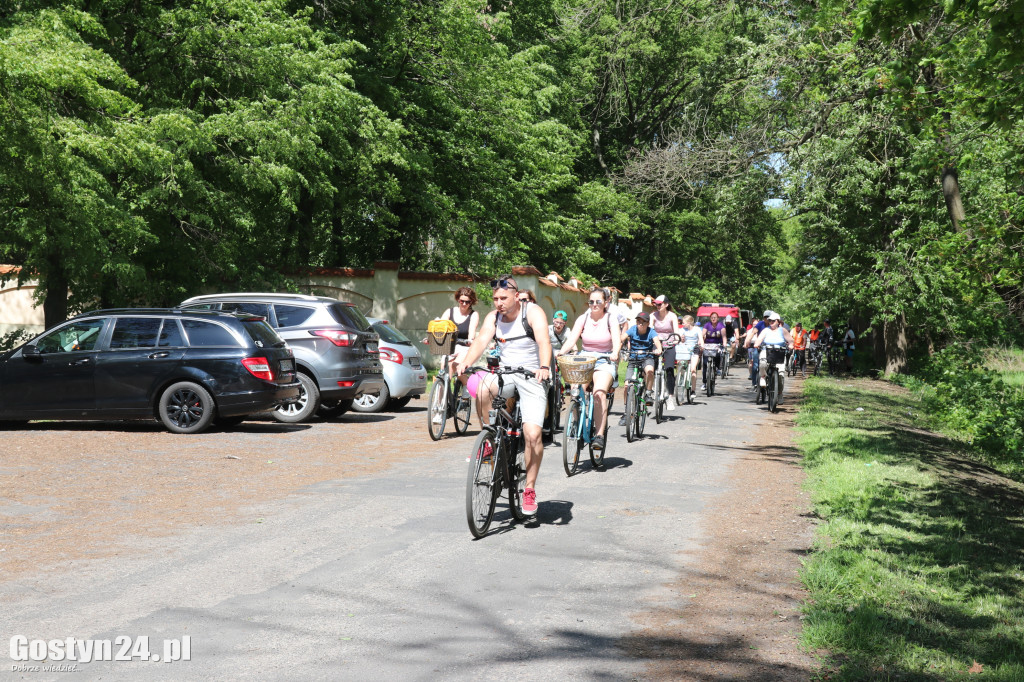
579	420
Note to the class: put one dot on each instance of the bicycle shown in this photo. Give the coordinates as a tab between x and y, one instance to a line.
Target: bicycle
449	397
661	395
497	462
833	358
774	355
635	396
814	356
684	381
554	416
711	354
579	418
726	359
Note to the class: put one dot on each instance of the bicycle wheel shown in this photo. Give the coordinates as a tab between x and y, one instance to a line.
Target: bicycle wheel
681	387
571	441
817	363
437	410
517	482
773	397
463	408
630	414
481	485
659	402
641	414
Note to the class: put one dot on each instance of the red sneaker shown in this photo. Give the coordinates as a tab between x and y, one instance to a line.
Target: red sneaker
529	501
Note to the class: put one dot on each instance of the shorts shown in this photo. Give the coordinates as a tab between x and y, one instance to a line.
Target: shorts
650	362
533	396
603	363
849	352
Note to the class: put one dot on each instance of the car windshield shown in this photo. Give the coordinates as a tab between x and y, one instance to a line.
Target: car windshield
389	334
350	316
262	334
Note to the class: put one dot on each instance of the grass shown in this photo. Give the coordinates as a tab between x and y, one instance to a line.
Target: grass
1009	362
918	569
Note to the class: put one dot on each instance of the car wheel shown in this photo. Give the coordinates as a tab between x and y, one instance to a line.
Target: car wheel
186	407
304	407
372	403
399	403
334	408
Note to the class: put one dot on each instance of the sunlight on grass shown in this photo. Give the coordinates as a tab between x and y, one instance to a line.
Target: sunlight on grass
917	569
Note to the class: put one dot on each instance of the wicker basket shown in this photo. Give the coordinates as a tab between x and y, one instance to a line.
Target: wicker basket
441	337
576	369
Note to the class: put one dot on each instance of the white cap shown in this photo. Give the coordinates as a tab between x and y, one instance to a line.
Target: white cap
660	299
773	316
728	318
768	313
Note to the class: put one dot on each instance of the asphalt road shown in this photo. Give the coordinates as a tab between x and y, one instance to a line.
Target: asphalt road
379	578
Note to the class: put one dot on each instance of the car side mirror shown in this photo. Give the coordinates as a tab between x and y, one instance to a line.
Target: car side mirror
30	352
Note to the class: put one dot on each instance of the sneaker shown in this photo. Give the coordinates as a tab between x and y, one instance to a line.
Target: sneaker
622	420
762	383
438	418
599	443
529	501
670	403
703	387
649	396
488	450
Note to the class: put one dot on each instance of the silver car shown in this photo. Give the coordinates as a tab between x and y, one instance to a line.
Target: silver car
405	377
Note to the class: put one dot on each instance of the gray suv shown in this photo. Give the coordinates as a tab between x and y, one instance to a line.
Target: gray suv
336	357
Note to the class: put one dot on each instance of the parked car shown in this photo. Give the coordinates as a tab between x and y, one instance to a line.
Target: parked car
187	369
335	347
405	377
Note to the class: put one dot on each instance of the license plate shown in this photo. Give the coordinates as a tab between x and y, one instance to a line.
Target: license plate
415	363
371	348
287	365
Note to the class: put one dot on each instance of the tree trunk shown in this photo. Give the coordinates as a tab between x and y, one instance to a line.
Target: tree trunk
951	191
55	301
896	345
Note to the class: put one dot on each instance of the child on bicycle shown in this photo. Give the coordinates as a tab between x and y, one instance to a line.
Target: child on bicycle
640	339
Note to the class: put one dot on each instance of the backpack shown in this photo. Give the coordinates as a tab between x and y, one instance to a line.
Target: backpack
526	326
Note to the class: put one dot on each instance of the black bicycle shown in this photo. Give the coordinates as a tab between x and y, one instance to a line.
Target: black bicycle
712	352
497	462
635	396
775	355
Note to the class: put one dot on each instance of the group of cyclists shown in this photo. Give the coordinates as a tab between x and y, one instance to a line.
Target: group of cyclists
517	334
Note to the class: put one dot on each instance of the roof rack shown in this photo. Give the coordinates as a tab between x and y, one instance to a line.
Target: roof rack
254	294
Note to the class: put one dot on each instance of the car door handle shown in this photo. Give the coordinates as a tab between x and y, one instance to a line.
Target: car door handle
162	354
83	361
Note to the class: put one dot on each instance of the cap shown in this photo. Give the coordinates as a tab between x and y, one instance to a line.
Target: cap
767	313
660	299
643	317
728	318
561	314
774	316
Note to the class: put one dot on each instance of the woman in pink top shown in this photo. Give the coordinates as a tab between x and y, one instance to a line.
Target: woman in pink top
600	335
665	322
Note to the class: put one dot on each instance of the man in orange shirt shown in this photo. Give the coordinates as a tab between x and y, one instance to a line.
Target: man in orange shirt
800	348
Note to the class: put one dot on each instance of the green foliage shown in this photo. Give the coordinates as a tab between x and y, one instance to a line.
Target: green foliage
13	339
912	573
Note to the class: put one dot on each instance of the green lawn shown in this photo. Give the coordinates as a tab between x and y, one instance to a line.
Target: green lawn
1010	365
918	570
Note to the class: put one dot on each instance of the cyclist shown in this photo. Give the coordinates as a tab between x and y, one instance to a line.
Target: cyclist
693	339
641	338
774	333
752	334
850	343
602	339
466	320
520	332
557	331
732	337
800	348
713	330
665	322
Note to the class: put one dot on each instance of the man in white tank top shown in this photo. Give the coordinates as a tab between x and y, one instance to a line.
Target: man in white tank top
505	325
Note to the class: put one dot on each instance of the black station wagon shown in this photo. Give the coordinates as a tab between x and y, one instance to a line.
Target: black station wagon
184	368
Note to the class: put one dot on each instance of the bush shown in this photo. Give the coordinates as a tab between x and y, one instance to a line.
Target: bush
13	339
975	403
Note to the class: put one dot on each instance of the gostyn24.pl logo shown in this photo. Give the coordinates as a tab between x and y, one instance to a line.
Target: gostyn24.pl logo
123	648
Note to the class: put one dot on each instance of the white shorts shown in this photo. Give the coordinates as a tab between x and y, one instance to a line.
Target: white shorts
533	397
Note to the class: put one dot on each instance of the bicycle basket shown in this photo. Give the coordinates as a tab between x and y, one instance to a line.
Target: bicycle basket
441	337
775	356
576	369
711	350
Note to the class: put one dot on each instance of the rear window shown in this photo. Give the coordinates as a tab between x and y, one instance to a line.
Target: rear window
390	334
262	334
261	309
350	316
292	315
202	333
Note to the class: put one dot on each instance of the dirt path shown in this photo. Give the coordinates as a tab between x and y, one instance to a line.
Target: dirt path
736	613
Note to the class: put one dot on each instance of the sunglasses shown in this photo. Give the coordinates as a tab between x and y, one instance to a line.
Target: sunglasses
504	283
465	300
596	302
